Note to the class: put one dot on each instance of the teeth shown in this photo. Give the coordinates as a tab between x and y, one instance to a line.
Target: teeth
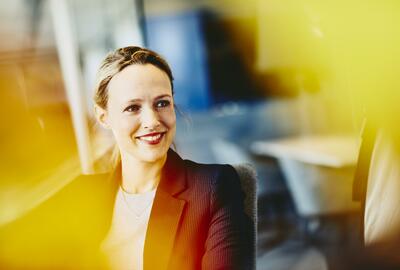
151	138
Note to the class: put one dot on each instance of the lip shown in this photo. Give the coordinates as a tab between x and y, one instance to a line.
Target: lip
151	138
150	134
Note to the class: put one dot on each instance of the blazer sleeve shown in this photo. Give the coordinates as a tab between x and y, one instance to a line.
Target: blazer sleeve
229	235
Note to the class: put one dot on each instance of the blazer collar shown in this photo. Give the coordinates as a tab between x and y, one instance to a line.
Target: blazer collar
165	214
173	179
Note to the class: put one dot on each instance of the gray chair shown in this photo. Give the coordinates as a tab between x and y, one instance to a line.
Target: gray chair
248	179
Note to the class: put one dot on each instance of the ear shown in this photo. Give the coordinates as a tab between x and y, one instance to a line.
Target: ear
101	116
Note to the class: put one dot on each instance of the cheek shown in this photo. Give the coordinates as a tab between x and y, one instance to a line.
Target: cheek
130	124
169	119
124	125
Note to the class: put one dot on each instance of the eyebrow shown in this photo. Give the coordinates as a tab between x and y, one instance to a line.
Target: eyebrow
134	100
157	97
161	96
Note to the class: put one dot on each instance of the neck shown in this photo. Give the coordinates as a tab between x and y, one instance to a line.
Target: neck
139	176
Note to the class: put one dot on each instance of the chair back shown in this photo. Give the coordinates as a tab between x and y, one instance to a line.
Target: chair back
248	181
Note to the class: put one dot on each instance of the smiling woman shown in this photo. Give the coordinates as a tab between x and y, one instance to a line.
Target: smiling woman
154	210
194	206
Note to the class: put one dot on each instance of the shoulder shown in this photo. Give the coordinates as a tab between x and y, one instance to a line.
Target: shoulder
214	176
212	171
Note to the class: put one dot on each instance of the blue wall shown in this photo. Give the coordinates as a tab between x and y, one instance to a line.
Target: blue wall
179	38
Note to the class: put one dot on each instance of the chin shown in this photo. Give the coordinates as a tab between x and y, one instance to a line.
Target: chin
151	156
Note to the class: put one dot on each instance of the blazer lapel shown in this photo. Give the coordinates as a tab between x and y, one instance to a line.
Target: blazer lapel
165	214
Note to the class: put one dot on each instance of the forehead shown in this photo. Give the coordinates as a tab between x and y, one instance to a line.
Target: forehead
138	81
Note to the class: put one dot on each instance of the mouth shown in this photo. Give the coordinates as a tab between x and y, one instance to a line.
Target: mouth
152	138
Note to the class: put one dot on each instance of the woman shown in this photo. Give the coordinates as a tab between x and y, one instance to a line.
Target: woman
155	211
197	218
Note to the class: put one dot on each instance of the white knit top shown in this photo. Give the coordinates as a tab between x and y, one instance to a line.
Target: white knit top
124	243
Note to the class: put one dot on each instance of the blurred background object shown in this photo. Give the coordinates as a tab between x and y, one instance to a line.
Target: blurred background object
247	73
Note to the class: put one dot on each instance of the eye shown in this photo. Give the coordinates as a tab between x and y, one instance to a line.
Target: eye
162	103
132	108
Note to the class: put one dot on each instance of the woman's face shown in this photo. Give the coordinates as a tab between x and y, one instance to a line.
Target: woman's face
140	112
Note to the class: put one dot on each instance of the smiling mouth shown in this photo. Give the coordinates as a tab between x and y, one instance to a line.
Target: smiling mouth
152	138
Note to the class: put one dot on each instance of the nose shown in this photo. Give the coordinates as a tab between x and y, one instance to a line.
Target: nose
150	119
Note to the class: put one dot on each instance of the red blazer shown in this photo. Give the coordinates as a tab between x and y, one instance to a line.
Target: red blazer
197	222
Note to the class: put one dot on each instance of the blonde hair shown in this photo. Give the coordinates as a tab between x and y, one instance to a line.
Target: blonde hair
120	59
